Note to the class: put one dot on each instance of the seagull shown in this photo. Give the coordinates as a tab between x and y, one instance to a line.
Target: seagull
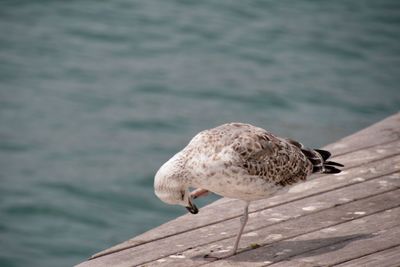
239	161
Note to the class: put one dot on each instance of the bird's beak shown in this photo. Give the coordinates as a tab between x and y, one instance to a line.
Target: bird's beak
192	207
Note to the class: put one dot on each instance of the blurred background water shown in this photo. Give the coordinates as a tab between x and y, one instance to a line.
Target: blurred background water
96	95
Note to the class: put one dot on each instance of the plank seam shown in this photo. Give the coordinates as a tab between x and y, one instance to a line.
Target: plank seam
366	147
339	242
318	229
294	218
380	250
283	239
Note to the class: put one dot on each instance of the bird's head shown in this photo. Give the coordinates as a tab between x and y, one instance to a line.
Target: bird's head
178	197
170	186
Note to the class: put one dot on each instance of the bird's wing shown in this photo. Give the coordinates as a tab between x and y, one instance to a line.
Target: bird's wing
275	159
257	151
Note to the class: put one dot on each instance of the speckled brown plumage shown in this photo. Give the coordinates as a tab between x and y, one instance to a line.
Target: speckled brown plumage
257	152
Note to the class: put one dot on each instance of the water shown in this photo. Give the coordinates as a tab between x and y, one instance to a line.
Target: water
96	95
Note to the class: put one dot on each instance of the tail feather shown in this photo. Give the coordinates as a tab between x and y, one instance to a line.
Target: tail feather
324	153
332	163
331	169
318	158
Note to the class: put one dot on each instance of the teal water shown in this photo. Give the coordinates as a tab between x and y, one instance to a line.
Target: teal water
96	95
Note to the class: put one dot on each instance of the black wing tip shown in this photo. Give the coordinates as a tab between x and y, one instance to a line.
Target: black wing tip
332	163
324	153
321	165
331	169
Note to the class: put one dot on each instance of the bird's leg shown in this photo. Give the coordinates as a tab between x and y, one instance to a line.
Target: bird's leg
243	222
200	192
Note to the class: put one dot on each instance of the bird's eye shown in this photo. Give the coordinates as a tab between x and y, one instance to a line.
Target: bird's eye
182	195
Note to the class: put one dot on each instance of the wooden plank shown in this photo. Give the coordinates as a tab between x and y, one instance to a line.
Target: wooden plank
387	130
385	258
226	208
212	234
363	157
327	246
326	219
339	252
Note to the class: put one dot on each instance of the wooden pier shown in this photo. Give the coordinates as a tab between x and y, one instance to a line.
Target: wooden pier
347	219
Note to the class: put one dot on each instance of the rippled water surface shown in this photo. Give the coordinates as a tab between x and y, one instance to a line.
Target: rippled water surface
96	95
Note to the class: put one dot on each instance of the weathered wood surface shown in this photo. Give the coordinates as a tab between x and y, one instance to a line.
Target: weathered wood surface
384	258
347	219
